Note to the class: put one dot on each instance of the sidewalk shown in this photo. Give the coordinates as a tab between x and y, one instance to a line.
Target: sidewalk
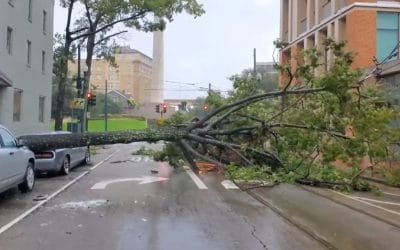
336	220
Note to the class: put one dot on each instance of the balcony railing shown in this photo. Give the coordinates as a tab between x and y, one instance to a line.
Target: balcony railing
303	26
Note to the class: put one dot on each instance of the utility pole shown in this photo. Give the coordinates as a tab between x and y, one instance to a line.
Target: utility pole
105	109
209	89
79	90
255	62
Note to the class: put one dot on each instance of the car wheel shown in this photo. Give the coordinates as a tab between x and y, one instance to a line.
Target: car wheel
29	179
86	161
65	166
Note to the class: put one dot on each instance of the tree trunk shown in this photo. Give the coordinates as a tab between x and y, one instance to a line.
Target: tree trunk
59	106
54	141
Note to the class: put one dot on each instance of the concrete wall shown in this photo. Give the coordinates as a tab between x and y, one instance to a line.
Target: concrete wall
29	79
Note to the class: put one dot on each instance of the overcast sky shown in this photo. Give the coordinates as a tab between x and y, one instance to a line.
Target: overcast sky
210	48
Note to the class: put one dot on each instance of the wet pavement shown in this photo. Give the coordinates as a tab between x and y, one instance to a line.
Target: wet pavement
342	221
125	205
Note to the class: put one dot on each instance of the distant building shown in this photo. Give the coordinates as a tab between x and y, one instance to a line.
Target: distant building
266	68
136	74
370	27
26	53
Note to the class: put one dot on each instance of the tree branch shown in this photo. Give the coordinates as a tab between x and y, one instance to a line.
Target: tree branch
287	125
108	37
137	15
252	99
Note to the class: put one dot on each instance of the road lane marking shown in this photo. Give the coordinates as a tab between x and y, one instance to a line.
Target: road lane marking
367	203
41	203
393	194
195	178
228	184
377	201
106	159
143	180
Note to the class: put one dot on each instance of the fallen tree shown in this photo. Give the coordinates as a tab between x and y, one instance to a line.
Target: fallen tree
296	134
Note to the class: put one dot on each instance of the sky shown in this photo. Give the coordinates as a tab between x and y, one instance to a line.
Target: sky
210	48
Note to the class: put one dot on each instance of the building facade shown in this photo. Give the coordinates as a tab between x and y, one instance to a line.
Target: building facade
370	27
26	55
132	74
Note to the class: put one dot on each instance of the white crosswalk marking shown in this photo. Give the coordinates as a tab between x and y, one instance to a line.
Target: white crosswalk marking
195	178
229	184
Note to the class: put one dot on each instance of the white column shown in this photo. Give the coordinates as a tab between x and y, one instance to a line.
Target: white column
157	86
295	21
309	14
317	13
290	22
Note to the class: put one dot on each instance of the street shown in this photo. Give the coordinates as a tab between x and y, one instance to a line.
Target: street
168	210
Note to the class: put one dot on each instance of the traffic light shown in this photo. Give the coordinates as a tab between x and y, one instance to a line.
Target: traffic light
164	108
91	99
205	107
158	108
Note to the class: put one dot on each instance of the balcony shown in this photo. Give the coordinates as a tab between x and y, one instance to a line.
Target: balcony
303	25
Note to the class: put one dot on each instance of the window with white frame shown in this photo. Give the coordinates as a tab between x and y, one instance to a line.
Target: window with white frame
9	40
17	105
29	53
30	10
42	101
43	62
44	22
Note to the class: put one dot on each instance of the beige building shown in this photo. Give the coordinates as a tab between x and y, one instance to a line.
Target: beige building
133	74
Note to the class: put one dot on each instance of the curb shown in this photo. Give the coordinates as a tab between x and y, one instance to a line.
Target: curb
313	234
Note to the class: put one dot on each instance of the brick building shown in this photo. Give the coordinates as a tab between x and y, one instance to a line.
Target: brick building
370	27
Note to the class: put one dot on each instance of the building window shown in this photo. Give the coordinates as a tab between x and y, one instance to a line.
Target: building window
9	40
17	105
387	36
42	100
44	24
29	53
43	62
30	10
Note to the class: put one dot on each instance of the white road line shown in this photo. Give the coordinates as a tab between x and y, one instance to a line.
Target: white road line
195	178
143	180
393	194
41	203
369	204
228	184
377	201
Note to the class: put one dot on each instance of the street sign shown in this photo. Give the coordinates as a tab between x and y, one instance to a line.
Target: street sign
77	103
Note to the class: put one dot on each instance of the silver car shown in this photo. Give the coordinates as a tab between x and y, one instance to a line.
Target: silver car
60	161
16	163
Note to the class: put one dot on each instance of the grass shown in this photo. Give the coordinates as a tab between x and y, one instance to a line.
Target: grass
114	124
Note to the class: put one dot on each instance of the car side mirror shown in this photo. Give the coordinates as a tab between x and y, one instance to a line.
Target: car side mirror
20	143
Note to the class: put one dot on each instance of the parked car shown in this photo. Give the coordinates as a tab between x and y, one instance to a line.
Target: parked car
60	161
16	163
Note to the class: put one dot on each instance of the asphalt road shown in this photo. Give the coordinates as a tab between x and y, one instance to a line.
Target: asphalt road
167	210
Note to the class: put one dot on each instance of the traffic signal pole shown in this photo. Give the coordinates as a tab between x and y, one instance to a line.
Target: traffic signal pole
105	110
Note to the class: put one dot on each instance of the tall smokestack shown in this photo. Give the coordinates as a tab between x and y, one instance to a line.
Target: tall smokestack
157	88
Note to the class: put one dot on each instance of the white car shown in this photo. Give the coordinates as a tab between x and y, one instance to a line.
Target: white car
16	163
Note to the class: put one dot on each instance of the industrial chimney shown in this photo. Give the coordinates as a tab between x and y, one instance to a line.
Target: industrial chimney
157	86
